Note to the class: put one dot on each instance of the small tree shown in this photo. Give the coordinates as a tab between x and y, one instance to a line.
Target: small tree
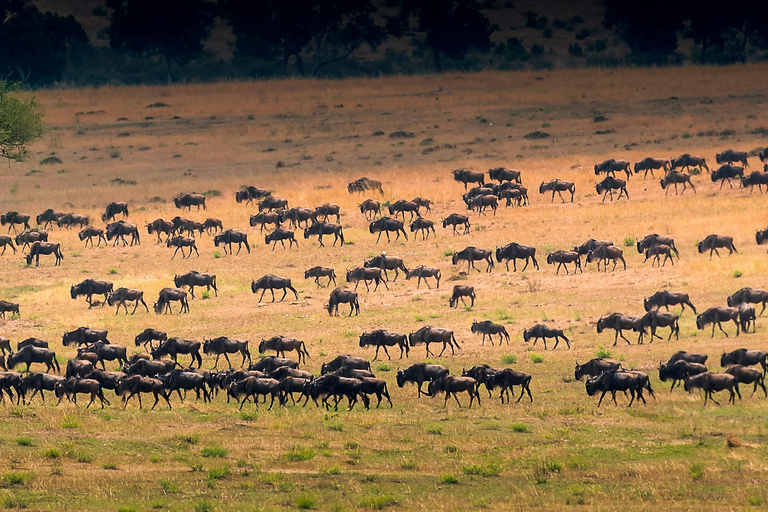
21	122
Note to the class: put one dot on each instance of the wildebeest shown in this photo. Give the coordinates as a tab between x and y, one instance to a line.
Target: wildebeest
666	298
249	193
746	375
30	354
273	203
401	206
31	236
39	383
678	371
712	382
561	258
296	215
158	226
459	292
147	336
385	225
456	219
745	357
488	328
651	164
749	295
607	252
691	357
261	219
423	203
84	335
451	384
726	173
283	344
507	378
90	287
48	217
270	364
343	296
231	236
6	241
514	251
89	233
44	248
712	242
8	307
649	241
590	245
558	186
519	195
213	226
613	381
189	200
760	236
224	346
429	334
5	346
72	219
168	295
716	315
123	295
609	184
619	323
464	176
423	272
419	374
747	317
254	387
755	178
280	235
272	282
385	263
105	352
326	210
318	272
363	184
381	338
174	346
120	229
14	218
370	208
686	161
74	386
180	242
541	331
730	155
344	360
675	178
135	385
325	228
480	203
423	225
471	254
595	367
610	166
177	380
366	274
501	174
113	209
194	278
656	319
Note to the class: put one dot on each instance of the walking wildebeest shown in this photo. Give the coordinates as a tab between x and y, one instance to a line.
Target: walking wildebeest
280	235
451	384
89	233
385	225
224	346
30	354
423	272
31	236
381	338
105	352
83	336
14	218
678	371
745	357
749	295
712	242
261	219
113	209
326	210
318	272
343	296
423	225
501	174
595	367
666	298
147	336
295	216
194	278
6	241
715	316
691	357
465	177
610	166
730	155
39	383
726	173
363	184
514	251
649	241
480	203
541	331
760	236
506	379
254	387
48	217
180	242
675	178
74	386
420	373
72	219
488	328
174	346
283	344
401	206
747	316
272	282
471	254
656	252
8	307
686	161
366	274
189	200
429	334
325	228
160	226
231	236
370	206
135	385
213	226
619	323
273	203
561	258
344	360
459	292
385	263
755	178
89	288
613	381
656	319
607	252
168	295
456	219
123	295
746	375
44	248
651	164
118	230
249	193
423	203
712	382
558	186
609	184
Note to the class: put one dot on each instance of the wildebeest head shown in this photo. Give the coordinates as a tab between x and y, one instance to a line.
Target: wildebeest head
72	291
526	335
578	372
731	303
541	188
454	258
28	258
700	247
725	359
699	322
646	304
593	385
262	343
600	325
549	258
158	307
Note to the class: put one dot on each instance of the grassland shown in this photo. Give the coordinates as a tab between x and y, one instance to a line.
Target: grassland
296	138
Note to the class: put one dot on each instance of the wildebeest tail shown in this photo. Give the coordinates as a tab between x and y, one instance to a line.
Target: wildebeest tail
304	347
56	363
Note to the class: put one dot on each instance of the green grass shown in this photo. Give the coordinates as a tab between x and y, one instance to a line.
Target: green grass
737	274
300	454
218	472
51	453
508	359
214	451
536	358
24	441
305	502
519	427
448	478
378	502
602	352
697	471
70	422
16	478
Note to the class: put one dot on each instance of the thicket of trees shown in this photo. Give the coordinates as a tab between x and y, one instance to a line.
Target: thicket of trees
164	40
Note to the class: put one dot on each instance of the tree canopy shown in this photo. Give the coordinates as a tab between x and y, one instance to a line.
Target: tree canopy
21	121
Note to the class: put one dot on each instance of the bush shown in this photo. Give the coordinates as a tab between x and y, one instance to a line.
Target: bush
629	241
508	359
602	352
448	478
218	472
214	451
697	471
576	50
521	428
24	441
52	453
737	274
536	135
305	502
536	358
299	454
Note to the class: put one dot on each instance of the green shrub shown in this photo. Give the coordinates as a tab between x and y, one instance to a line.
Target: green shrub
378	502
737	274
299	454
24	441
602	352
218	472
305	502
70	422
448	478
508	359
629	241
697	471
536	358
52	453
519	427
214	451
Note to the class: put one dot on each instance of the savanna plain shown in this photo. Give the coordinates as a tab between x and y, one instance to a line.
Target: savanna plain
304	140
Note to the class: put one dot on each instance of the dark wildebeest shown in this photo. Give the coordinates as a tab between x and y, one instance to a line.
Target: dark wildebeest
607	252
712	242
429	334
113	209
730	155
174	346
261	219
39	383
325	228
686	161
712	382
89	288
381	338
8	307
295	216
749	295
595	367
273	203
74	386
30	354
147	367
44	248
6	240
589	246
760	236
715	316
726	173
89	233
675	178
656	252
656	319
481	373
249	193
423	225
283	344
224	346
541	331
363	184
272	282
14	218
385	263
514	251
488	328
326	210
456	219
123	295
344	360
755	178
105	352
5	346
419	374
465	177
745	357
366	274
189	227
423	272
746	375
614	381
385	225
423	203
651	164
168	295
48	217
558	186
280	235
501	174
231	236
177	380
343	296
747	316
459	292
609	184
213	226
480	203
678	371
402	206
370	208
519	195
374	386
31	236
194	278
610	166
83	336
158	226
72	219
180	242
506	379
254	387
619	323
271	364
655	239
471	254
451	384
147	336
691	357
189	200
666	298
120	229
135	385
318	272
561	258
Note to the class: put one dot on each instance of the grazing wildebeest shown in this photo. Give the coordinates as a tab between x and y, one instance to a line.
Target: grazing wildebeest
273	203
423	225
135	385
760	236
561	258
166	296
686	161
283	344
501	174
471	254
726	173
712	382
656	252
366	274
174	346
614	381
558	186
745	357
31	236
459	292
385	225
385	263
231	236
746	375
272	282
224	346
401	206
609	184
44	248
480	203
423	203
120	229
72	219
712	242
8	307
488	328
363	184
189	200
39	383
678	371
194	278
325	228
381	338
716	315
429	334
113	209
456	219
213	226
187	226
465	177
514	251
295	216
280	235
158	226
731	155
84	335
610	166
666	298
105	352
691	357
675	178
755	178
749	295
541	331
370	206
656	319
30	354
73	386
451	384
651	164
506	379
14	218
6	240
180	242
123	295
595	367
619	323
249	193
423	272
326	210
343	296
318	272
48	217
419	374
649	241
747	316
147	336
261	219
89	233
607	252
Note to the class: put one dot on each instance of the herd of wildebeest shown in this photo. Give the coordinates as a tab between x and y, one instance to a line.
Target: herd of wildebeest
159	372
